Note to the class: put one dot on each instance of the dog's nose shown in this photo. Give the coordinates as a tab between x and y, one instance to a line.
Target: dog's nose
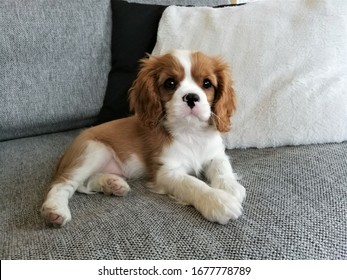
191	98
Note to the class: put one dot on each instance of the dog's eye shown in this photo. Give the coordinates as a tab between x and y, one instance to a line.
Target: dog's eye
170	83
207	83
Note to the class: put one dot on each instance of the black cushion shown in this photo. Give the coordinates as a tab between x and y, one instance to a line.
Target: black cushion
134	33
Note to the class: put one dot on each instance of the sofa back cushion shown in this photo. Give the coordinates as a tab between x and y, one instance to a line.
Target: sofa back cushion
54	62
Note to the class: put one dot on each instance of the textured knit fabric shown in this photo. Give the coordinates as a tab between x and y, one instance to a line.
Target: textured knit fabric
54	61
295	209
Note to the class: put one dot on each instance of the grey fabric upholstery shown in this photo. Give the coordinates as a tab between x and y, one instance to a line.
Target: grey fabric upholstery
55	58
295	209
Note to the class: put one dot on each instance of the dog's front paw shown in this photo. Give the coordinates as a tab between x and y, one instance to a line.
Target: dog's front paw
219	206
55	213
231	186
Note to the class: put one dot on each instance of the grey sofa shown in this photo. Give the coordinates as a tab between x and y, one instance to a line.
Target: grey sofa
54	62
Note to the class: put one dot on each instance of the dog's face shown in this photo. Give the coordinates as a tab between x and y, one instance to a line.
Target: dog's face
183	88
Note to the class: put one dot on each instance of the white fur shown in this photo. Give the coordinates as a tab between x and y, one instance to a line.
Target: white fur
195	149
193	153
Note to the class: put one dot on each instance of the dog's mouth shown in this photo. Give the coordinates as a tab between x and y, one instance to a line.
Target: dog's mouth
201	112
184	114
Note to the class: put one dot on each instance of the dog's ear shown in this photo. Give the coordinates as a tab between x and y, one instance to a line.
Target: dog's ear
224	103
144	96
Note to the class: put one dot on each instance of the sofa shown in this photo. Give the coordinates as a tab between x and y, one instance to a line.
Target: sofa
56	61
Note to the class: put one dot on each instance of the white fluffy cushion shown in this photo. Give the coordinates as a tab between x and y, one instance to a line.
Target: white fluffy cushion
288	61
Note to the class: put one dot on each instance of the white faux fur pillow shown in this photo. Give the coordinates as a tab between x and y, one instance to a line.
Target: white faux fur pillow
288	61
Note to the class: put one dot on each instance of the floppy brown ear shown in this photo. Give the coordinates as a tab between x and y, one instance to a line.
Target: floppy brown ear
144	96
225	102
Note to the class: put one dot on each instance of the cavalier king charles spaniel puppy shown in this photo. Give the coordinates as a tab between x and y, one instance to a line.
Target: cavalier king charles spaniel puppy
182	101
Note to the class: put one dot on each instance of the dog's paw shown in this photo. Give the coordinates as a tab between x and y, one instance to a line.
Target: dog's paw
114	185
55	213
219	206
231	186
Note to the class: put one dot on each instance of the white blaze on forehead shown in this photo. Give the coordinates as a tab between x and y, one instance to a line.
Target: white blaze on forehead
183	57
188	84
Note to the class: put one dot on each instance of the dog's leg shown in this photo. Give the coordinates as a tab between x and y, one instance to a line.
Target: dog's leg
81	160
215	205
107	183
221	176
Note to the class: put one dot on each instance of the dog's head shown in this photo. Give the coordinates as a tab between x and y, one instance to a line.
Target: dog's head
183	88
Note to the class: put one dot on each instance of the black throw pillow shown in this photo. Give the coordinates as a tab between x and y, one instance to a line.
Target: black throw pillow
134	33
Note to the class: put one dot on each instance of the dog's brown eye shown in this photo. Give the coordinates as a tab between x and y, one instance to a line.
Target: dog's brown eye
207	83
170	83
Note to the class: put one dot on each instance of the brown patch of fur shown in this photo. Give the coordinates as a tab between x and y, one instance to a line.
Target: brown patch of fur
70	160
125	136
130	136
147	93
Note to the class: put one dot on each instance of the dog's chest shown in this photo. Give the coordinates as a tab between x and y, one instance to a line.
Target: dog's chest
190	152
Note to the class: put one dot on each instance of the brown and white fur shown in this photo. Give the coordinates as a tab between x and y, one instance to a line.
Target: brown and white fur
182	102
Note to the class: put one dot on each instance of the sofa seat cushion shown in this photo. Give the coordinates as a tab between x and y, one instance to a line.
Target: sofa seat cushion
295	209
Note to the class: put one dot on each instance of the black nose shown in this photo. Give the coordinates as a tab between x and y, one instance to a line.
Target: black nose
191	98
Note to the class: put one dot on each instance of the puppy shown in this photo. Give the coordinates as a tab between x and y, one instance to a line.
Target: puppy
182	102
